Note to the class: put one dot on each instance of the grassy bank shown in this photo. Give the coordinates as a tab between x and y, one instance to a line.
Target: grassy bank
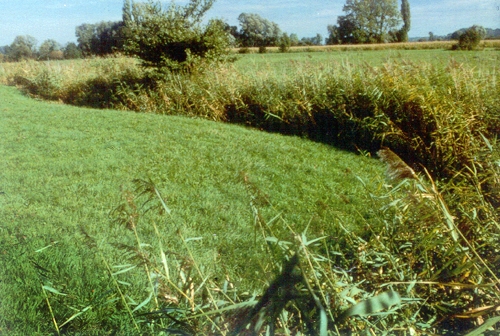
65	172
433	238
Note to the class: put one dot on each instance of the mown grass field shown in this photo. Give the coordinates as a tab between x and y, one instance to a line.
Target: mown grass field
425	45
128	223
288	64
65	169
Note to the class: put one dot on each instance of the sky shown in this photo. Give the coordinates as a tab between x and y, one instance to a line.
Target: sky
57	19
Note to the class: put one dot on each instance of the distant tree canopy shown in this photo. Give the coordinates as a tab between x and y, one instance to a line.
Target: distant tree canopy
71	51
285	43
101	38
366	21
23	47
311	41
173	37
257	31
294	39
50	49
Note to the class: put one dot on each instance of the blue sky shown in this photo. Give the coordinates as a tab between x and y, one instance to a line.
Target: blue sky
57	19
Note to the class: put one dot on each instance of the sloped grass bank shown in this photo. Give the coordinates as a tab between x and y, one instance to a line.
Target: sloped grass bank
433	108
65	171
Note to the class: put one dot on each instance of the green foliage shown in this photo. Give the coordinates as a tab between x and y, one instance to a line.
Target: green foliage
346	32
311	41
285	43
22	48
402	34
366	21
100	39
173	38
406	15
257	31
470	38
333	35
71	51
50	49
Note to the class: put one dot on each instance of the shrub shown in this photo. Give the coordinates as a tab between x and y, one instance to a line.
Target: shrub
244	50
173	38
262	49
470	39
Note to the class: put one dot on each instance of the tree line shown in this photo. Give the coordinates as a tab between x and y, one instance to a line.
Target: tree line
25	47
159	35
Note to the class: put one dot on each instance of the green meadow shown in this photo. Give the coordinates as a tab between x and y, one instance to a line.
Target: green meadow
170	210
283	63
66	169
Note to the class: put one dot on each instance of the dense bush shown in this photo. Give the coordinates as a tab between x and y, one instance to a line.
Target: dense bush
173	38
470	39
244	50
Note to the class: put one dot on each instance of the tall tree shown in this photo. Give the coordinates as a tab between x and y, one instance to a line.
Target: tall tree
346	32
366	21
258	31
127	11
294	40
50	49
71	51
101	38
85	36
405	14
23	47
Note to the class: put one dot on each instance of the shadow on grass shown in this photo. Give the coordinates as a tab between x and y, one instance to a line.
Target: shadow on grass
104	93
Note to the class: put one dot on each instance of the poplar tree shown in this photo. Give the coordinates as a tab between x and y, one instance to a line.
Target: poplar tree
405	14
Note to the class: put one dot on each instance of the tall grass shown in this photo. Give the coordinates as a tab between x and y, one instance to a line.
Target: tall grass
411	246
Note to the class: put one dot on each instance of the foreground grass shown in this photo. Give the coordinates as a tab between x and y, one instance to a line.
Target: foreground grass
64	170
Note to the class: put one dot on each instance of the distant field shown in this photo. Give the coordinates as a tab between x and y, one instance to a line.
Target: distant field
290	63
380	46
